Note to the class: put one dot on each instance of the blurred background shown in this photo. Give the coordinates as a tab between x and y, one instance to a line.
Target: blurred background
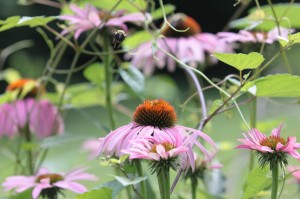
213	16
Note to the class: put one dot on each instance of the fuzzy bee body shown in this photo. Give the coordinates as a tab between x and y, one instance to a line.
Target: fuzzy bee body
118	37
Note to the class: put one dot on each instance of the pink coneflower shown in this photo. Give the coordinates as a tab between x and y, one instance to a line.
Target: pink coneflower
90	17
92	146
193	47
157	119
47	184
244	36
295	172
40	117
272	149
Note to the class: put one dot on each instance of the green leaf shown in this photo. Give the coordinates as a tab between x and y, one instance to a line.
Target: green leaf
288	16
280	85
158	14
126	181
115	186
292	39
23	195
60	140
133	78
95	73
130	6
137	38
103	193
241	61
257	181
17	21
10	75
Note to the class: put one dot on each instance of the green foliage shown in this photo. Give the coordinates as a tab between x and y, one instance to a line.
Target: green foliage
158	14
292	39
17	21
288	16
23	195
133	78
115	186
137	38
103	193
95	73
126	181
279	85
241	61
257	181
10	75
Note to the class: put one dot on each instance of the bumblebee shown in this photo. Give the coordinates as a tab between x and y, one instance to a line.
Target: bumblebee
118	37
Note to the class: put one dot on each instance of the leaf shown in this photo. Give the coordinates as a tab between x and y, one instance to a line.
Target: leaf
241	61
257	181
288	16
103	193
293	39
17	21
10	75
95	73
158	14
115	186
133	78
126	181
279	85
60	140
23	195
137	38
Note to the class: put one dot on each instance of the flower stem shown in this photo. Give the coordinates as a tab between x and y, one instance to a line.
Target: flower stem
108	78
163	177
29	152
194	188
274	181
139	168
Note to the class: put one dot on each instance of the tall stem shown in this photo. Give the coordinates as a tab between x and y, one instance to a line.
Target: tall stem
163	178
139	168
252	110
107	60
274	181
194	184
29	152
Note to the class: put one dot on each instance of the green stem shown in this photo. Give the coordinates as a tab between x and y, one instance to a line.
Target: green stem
194	188
29	152
274	181
253	113
163	178
107	60
138	164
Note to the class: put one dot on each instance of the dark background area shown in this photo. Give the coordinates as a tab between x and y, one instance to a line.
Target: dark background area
212	15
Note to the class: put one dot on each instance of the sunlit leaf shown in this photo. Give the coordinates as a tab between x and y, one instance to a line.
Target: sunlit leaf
287	14
279	85
133	78
257	181
23	195
136	39
241	61
103	193
126	181
95	73
158	14
10	75
292	39
17	21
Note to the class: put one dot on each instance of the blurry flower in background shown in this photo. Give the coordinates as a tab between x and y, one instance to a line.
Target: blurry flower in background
157	119
192	46
47	184
90	17
40	117
270	150
92	146
295	172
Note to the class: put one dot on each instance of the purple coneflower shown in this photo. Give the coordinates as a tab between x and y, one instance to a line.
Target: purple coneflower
273	149
193	47
48	184
90	17
156	119
40	117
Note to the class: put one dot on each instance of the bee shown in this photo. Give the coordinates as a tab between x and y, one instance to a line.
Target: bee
118	37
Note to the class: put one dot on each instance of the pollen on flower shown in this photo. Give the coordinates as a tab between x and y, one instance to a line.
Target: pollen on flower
21	83
158	113
182	22
168	146
272	141
53	177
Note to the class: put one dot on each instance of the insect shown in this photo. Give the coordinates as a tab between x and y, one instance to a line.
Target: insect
118	37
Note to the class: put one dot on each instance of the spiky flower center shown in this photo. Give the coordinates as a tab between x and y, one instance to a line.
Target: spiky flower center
182	22
167	146
272	141
158	113
53	177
